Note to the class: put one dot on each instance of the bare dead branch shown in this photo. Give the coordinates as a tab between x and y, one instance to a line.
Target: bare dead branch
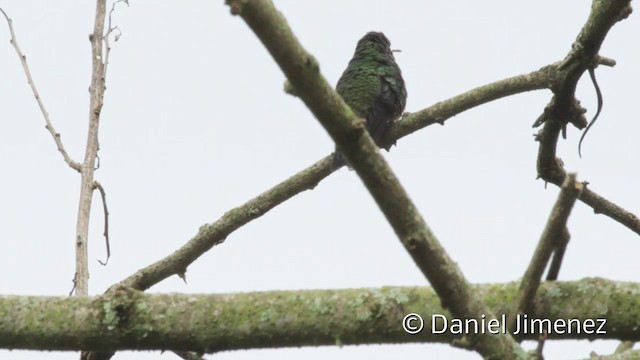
564	108
107	35
49	125
103	195
551	237
96	95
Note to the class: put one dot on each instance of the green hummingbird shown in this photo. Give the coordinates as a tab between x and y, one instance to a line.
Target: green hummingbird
373	87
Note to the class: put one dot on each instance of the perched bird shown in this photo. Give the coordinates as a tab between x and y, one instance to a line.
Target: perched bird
373	87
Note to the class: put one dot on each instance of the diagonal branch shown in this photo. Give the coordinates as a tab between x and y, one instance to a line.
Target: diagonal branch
23	60
216	232
551	237
354	142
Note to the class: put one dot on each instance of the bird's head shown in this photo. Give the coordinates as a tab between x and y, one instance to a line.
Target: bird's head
374	42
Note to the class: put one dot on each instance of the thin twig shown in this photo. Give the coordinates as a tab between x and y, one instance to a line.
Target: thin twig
111	29
97	185
23	60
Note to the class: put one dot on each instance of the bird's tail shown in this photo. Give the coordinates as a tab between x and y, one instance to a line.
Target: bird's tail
338	161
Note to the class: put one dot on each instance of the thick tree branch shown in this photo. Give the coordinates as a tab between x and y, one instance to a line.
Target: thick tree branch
23	60
126	319
356	145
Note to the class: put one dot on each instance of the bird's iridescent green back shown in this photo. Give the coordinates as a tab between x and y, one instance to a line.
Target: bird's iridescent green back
372	85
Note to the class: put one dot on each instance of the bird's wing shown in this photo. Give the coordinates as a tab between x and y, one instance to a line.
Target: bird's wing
388	105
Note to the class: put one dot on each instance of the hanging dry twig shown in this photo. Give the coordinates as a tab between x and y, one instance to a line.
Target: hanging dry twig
103	195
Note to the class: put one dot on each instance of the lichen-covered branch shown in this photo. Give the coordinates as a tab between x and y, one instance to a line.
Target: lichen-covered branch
125	319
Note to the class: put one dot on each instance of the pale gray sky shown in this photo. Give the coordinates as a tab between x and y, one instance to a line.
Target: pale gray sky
196	122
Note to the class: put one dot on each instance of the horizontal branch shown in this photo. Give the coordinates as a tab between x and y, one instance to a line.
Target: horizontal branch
131	320
443	110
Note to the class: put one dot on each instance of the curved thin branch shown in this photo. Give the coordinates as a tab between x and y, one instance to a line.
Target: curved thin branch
105	209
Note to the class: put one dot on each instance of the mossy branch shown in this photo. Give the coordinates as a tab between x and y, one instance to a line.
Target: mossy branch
131	320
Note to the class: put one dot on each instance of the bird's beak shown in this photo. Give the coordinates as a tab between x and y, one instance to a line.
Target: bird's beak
396	50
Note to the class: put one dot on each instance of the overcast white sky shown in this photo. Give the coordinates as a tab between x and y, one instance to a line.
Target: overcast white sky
196	122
